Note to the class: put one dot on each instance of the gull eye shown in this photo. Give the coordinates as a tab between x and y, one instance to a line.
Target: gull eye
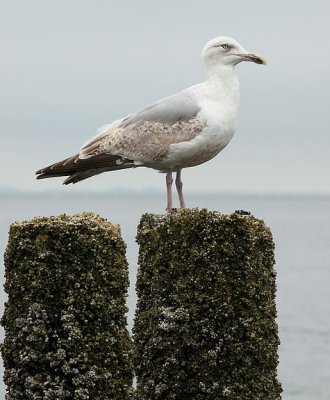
225	46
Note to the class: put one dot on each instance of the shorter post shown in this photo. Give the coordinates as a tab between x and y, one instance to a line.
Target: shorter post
65	324
205	324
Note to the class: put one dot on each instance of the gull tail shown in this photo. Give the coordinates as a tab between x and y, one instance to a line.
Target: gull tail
77	169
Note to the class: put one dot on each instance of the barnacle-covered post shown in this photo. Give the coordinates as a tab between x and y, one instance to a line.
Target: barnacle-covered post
205	321
65	324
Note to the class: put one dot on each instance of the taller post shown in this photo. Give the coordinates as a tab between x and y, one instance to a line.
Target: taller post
205	325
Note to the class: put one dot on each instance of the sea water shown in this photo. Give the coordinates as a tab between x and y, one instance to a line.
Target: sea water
301	229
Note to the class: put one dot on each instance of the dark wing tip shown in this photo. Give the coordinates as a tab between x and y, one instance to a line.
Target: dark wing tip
40	171
79	169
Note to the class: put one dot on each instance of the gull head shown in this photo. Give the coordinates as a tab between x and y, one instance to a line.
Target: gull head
225	51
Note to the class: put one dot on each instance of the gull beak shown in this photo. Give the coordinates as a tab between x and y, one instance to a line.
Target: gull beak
252	57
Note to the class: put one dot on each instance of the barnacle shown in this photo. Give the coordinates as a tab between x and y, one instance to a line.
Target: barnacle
205	323
66	336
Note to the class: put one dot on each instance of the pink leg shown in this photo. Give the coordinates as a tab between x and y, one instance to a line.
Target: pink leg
169	181
179	186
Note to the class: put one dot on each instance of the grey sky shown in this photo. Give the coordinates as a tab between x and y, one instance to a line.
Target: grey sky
68	67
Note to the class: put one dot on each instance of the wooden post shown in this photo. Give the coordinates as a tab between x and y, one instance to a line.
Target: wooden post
205	324
65	324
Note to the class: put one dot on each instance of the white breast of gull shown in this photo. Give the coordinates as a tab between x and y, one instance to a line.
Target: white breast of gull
179	131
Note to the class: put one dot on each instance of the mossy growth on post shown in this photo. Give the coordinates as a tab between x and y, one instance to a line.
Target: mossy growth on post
65	323
205	324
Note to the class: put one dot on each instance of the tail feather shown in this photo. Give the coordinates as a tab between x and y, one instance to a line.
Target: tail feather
78	169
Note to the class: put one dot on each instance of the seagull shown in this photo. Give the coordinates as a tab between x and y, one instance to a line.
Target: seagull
176	132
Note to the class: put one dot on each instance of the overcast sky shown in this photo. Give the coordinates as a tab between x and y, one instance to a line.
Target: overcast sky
68	67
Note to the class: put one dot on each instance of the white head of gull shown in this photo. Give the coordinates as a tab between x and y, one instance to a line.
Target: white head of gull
179	131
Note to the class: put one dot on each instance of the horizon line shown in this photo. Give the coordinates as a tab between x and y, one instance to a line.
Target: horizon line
8	190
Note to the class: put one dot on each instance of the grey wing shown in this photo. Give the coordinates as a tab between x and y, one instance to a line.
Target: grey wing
182	106
145	136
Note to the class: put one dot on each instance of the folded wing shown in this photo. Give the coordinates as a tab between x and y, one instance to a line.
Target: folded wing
141	139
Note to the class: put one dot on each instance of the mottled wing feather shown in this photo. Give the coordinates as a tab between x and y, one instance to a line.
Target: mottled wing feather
140	139
149	142
145	137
